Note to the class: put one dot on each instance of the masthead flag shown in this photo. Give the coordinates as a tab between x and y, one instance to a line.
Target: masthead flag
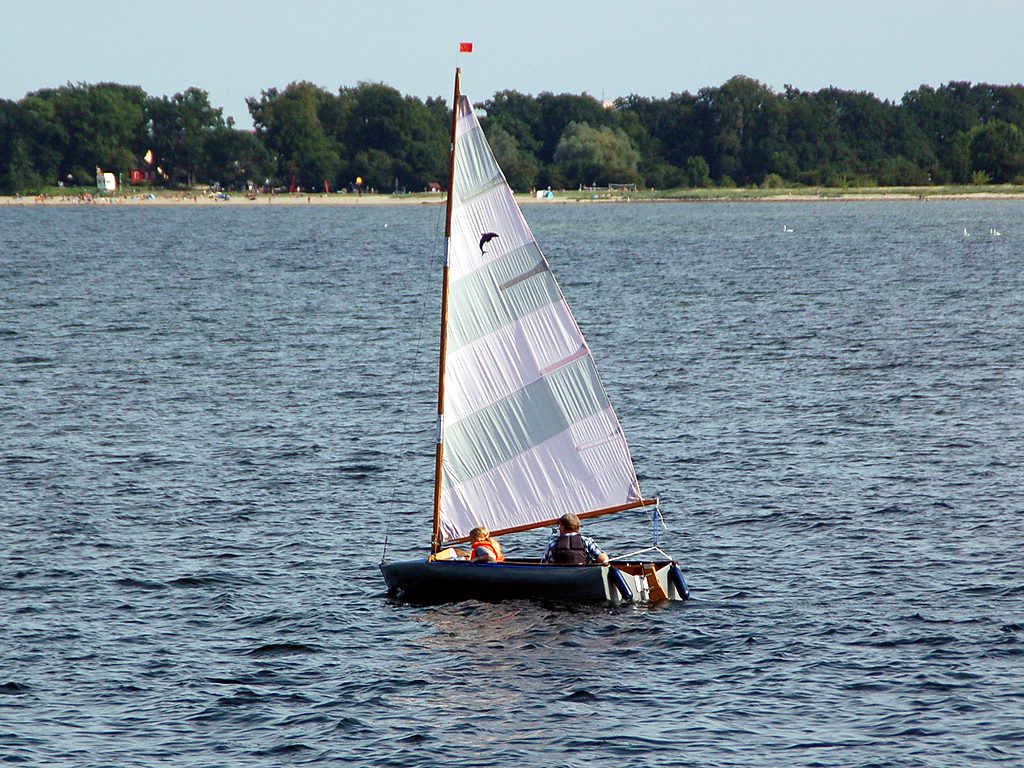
465	47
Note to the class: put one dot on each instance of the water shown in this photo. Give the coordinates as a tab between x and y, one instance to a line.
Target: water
202	413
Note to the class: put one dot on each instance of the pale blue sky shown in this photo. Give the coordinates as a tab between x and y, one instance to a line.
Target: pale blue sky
608	49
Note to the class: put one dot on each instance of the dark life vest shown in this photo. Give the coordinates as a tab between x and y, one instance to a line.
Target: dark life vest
570	550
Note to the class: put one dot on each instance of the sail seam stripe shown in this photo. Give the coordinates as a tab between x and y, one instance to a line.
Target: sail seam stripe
581	352
465	198
478	172
537	270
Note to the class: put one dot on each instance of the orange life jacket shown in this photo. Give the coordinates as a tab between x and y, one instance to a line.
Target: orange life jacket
491	544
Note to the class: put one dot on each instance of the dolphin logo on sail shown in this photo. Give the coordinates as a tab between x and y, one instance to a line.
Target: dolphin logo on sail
485	238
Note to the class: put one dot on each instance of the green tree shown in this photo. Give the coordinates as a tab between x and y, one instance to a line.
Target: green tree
424	158
73	130
557	112
745	124
597	155
378	132
520	167
672	126
45	141
237	158
939	115
392	137
519	115
812	133
378	169
29	147
20	174
180	129
290	126
958	158
997	148
698	174
377	117
899	172
103	126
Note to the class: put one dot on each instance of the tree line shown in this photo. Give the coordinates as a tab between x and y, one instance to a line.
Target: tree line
740	133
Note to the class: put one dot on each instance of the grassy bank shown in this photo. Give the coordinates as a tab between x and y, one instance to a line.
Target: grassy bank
712	194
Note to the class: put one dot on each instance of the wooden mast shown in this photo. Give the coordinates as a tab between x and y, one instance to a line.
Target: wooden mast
435	537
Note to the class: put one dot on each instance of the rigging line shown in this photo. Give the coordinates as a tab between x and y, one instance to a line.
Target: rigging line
653	513
631	555
656	516
420	326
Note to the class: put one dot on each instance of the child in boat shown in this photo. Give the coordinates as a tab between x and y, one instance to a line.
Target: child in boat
570	547
485	549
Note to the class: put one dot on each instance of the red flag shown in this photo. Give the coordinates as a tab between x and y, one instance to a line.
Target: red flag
465	47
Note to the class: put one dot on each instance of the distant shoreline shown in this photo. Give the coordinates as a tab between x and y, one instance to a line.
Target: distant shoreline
736	195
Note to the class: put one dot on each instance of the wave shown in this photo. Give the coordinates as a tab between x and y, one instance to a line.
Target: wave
283	649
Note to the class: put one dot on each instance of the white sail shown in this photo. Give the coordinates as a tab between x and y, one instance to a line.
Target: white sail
528	433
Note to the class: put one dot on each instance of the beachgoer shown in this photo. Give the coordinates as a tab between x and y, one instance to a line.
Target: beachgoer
570	547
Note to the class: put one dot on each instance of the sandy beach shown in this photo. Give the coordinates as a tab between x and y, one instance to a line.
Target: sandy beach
679	196
200	199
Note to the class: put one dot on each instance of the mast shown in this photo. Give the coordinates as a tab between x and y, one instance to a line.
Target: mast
435	536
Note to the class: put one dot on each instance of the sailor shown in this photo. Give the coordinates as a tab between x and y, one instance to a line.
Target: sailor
570	547
485	549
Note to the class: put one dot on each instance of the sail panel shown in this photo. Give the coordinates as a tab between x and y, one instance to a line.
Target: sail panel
528	433
495	207
505	361
475	169
523	420
543	484
504	291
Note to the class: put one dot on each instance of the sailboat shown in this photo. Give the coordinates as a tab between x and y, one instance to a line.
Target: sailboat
525	431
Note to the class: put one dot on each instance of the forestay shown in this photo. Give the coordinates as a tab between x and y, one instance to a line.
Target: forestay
528	432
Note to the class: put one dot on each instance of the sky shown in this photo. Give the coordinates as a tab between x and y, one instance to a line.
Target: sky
236	49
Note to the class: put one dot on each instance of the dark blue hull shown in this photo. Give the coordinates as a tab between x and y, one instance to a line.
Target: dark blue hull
444	581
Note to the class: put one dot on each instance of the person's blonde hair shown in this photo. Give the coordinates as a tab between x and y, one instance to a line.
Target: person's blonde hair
479	533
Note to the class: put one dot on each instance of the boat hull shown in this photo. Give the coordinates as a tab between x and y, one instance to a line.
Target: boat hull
444	581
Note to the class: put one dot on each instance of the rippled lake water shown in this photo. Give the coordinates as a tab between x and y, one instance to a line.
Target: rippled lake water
209	420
